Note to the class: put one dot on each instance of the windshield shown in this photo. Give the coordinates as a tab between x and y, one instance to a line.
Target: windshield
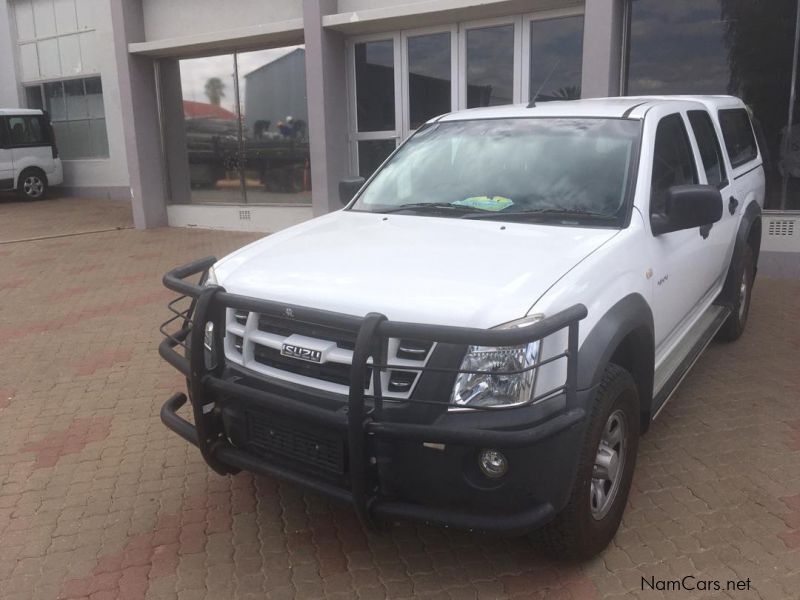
510	169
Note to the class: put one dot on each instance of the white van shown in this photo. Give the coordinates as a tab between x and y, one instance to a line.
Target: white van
29	160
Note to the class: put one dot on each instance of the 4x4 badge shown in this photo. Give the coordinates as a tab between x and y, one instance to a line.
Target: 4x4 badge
289	313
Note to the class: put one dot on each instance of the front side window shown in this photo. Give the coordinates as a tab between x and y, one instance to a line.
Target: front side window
738	134
673	163
537	169
3	133
27	131
707	142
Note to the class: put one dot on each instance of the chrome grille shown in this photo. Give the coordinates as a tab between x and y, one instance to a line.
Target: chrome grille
254	341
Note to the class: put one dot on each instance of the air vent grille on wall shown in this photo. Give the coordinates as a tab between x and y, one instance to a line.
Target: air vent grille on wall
781	231
781	227
244	215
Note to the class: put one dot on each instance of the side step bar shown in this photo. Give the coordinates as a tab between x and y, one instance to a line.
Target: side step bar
683	357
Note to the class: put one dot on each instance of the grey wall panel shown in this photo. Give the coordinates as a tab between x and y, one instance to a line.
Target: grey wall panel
165	19
140	117
327	106
602	48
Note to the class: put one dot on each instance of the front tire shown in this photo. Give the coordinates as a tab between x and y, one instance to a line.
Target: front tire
32	184
733	328
599	494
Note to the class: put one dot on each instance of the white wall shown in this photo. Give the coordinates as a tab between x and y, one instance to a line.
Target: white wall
58	39
164	19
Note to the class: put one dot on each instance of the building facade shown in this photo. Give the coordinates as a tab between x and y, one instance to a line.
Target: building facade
246	114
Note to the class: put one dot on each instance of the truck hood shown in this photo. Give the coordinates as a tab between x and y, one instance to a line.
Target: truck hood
411	268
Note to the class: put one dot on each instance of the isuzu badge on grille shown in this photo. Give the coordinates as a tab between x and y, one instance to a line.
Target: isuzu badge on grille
301	353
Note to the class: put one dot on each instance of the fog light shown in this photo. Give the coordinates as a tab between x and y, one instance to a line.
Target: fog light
492	463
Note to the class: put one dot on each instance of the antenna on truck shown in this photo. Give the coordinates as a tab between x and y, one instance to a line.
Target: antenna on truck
532	103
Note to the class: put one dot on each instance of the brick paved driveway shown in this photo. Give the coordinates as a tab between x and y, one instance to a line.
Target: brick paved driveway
98	499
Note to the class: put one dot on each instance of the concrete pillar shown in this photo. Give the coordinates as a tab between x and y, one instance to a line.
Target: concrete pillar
137	88
602	48
327	105
10	91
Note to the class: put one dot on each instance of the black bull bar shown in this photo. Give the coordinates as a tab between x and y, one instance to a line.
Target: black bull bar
208	304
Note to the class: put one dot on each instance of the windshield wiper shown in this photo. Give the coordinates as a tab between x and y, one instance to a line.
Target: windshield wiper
432	206
543	212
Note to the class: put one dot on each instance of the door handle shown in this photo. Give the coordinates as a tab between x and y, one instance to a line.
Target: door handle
732	204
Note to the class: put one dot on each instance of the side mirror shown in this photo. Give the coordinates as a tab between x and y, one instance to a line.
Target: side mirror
348	188
687	207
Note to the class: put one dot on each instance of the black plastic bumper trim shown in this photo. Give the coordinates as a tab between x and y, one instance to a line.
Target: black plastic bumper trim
508	524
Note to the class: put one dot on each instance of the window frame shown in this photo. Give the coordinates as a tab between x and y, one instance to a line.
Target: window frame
354	134
39	84
405	127
463	29
690	144
458	69
545	15
725	181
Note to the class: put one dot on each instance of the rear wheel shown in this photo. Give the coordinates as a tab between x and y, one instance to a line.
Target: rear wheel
733	328
32	184
600	492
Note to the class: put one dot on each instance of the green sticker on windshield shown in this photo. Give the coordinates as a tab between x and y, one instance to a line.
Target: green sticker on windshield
485	202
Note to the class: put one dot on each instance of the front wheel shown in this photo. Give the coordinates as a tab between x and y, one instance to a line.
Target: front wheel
32	184
594	511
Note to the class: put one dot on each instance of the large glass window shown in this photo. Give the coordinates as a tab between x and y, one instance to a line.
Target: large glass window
211	128
556	57
274	110
75	107
737	47
490	66
246	127
429	77
375	85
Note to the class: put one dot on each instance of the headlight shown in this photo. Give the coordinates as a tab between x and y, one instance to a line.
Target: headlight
472	390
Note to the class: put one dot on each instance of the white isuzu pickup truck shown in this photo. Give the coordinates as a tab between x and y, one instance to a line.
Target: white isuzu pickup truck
479	338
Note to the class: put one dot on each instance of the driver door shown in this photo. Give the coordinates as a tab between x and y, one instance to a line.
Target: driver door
680	271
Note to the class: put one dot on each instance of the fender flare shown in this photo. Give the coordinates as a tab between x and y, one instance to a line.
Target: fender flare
750	218
629	321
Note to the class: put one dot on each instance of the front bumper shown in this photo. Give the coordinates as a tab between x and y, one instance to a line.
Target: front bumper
394	468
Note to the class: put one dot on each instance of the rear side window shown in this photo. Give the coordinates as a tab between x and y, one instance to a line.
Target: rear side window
707	141
3	133
673	162
27	131
738	134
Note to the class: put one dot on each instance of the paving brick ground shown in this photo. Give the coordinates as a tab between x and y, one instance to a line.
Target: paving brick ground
99	500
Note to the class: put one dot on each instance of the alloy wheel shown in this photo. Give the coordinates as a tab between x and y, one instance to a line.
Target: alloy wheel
609	465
